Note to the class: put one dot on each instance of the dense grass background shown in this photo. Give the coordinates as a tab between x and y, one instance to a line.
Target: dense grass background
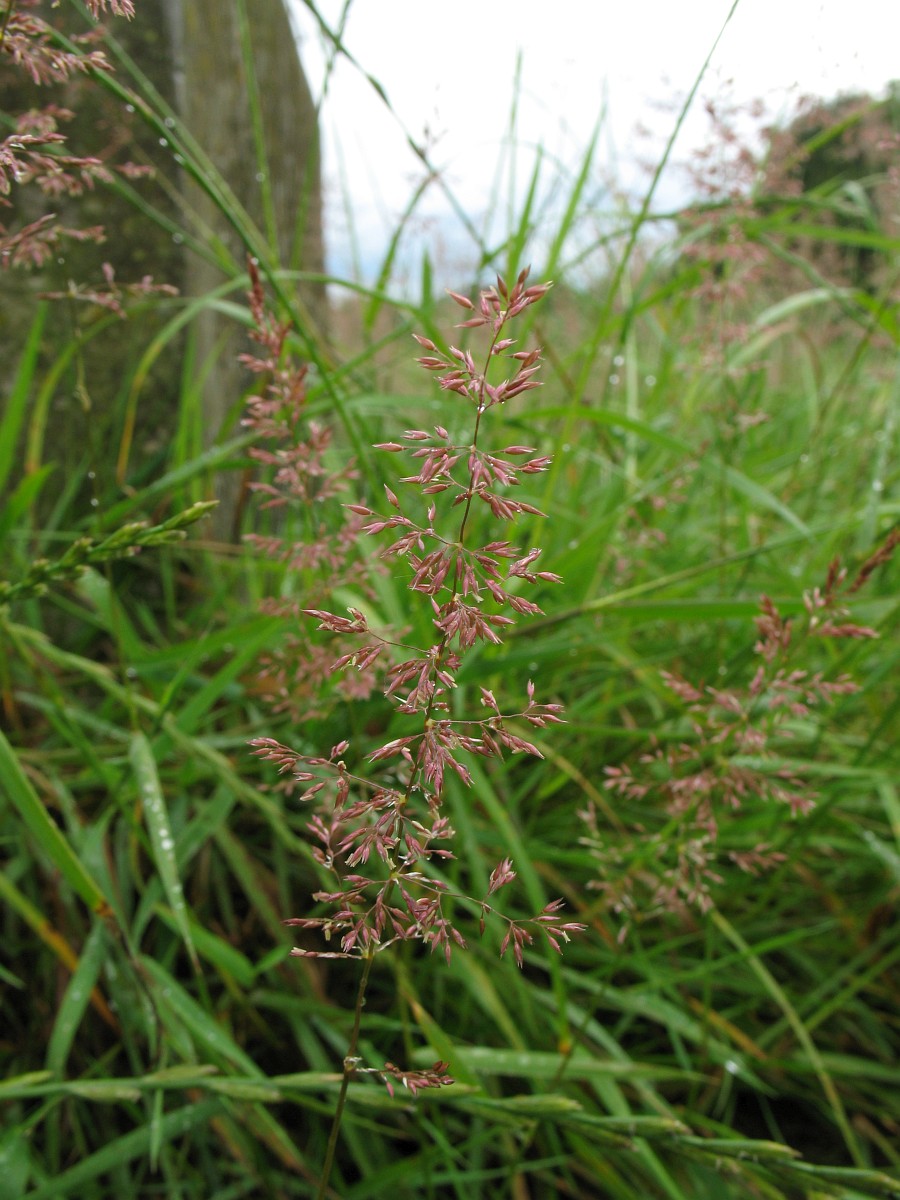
156	1037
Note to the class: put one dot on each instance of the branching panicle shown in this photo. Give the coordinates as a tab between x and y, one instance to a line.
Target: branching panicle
391	824
302	480
32	154
732	754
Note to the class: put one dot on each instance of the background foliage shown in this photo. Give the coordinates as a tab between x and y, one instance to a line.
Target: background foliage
721	405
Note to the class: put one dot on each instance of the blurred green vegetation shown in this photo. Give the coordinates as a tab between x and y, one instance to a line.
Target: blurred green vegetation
710	445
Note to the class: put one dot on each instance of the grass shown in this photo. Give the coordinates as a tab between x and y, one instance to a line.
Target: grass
158	1039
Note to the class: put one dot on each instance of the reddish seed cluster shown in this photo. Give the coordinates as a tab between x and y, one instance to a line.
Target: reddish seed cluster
111	294
119	8
300	477
393	823
415	1081
32	154
736	737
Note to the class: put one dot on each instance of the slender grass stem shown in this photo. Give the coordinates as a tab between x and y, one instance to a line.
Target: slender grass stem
350	1062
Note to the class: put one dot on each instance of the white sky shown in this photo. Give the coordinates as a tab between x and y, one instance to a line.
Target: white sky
447	67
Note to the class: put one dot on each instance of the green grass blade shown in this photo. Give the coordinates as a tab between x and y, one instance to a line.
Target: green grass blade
17	397
225	958
126	1149
161	838
14	1163
779	996
177	1005
75	1001
48	836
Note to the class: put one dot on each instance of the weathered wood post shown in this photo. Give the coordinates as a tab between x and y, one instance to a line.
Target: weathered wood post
230	56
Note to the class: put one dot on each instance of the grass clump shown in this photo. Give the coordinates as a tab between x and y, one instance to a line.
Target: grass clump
708	469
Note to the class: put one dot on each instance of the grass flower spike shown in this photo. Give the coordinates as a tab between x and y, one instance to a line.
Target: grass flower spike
381	834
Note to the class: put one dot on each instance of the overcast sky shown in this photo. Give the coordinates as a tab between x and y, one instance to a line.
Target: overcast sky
447	68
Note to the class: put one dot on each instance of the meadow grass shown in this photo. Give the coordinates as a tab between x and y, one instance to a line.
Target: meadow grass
727	1025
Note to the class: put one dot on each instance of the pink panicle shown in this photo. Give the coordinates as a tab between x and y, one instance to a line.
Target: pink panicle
376	831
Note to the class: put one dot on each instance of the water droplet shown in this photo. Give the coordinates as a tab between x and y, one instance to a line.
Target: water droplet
129	108
164	141
877	485
650	380
618	361
95	503
731	1066
179	158
260	177
614	379
804	458
532	666
170	122
177	238
131	672
92	474
723	670
573	544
